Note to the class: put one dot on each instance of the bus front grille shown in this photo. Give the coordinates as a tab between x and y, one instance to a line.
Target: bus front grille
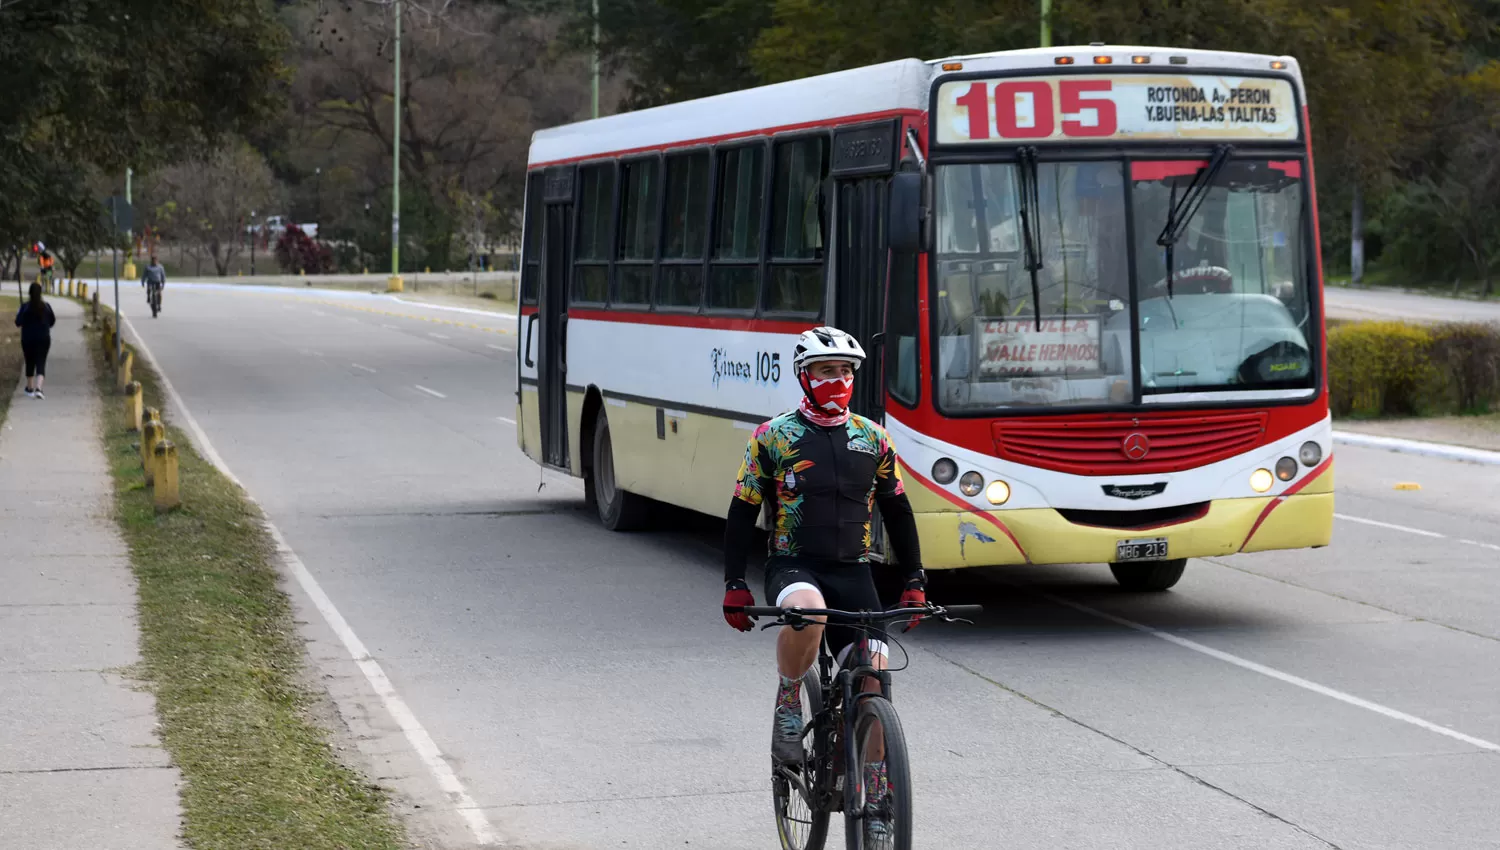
1134	445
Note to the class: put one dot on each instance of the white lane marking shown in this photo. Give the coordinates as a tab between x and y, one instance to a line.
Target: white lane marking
1481	545
363	368
319	313
438	336
1278	675
497	347
491	313
1418	447
675	414
389	327
415	733
745	426
429	392
1406	528
505	420
616	402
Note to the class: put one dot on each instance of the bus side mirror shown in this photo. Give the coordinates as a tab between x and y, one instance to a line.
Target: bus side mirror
907	223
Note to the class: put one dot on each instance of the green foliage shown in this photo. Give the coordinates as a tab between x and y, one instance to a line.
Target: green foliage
1396	368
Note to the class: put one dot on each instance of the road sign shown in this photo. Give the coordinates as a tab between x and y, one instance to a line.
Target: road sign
119	214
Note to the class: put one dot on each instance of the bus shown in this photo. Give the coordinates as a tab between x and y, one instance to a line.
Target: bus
1088	279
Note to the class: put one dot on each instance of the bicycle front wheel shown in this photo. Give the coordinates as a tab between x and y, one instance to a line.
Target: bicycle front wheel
877	812
801	817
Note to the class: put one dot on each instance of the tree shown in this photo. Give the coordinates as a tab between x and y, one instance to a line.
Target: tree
477	80
206	201
109	84
297	253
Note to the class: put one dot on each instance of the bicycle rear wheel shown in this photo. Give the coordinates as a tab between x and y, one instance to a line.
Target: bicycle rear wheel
877	811
801	819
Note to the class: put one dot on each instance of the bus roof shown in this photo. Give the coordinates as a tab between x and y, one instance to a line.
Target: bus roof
872	91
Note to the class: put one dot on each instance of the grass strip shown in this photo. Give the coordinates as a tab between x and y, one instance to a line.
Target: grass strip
221	653
11	359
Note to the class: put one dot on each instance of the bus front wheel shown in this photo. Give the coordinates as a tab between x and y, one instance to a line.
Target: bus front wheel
619	510
1150	575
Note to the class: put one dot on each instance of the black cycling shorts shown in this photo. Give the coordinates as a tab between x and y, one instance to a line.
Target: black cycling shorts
844	586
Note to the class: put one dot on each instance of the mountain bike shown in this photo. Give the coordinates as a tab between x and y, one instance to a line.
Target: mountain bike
848	733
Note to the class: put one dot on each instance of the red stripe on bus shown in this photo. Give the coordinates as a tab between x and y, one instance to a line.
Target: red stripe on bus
1290	491
683	320
968	508
745	134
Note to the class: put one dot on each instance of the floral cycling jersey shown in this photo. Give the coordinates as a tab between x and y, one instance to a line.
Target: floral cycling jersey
823	483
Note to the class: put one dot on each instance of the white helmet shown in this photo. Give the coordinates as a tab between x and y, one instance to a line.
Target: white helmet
826	343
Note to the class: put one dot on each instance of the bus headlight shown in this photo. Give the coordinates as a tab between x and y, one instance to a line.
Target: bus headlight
1286	469
998	492
1261	480
971	484
944	471
1310	453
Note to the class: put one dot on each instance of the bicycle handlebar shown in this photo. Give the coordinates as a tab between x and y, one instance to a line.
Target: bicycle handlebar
930	610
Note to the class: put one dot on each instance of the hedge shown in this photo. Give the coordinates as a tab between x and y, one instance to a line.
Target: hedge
1397	368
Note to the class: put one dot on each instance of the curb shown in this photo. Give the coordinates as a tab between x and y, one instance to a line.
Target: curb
1417	447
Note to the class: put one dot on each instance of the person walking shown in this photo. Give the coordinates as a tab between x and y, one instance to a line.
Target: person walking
35	319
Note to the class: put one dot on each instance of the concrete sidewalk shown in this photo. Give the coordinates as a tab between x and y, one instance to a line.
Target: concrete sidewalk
81	765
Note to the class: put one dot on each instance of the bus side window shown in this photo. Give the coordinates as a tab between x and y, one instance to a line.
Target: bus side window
640	205
901	373
596	206
684	231
734	276
796	283
531	247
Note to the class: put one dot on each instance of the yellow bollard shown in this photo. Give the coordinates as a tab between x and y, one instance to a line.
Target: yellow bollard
394	284
165	492
83	290
133	402
152	433
127	362
429	270
128	272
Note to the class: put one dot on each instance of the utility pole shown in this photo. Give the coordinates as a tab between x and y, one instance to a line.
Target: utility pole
394	284
596	59
130	232
1046	23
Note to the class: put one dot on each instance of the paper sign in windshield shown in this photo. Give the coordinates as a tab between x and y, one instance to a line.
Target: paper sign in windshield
1010	348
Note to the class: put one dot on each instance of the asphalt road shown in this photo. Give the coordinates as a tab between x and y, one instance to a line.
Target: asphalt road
1346	303
585	693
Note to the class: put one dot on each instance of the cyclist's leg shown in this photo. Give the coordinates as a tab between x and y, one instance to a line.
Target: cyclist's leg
795	586
796	649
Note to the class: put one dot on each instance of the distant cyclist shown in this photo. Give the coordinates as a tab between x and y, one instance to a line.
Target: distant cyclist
823	469
155	280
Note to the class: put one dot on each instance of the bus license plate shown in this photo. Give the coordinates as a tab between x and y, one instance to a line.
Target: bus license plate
1148	549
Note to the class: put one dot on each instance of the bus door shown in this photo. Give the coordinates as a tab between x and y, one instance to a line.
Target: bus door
552	342
863	159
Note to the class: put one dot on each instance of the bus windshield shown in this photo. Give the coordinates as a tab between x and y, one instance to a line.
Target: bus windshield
1233	323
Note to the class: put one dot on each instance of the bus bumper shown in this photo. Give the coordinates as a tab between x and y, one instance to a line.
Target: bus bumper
954	539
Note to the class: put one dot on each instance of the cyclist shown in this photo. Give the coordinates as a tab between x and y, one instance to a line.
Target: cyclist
822	469
155	279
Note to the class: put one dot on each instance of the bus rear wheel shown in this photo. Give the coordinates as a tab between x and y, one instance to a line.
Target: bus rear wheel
1150	576
619	510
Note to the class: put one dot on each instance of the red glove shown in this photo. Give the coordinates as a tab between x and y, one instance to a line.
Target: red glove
736	596
914	597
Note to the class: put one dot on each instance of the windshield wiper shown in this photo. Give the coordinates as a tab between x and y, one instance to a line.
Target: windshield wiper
1183	210
1031	230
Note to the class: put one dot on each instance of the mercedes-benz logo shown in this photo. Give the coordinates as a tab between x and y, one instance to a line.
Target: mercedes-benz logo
1135	446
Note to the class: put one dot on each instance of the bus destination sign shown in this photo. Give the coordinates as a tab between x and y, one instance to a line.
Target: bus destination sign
1125	107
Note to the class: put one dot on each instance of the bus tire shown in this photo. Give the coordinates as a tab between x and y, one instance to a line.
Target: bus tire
619	510
1151	576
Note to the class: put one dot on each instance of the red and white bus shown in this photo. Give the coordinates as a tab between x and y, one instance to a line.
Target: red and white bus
1088	277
